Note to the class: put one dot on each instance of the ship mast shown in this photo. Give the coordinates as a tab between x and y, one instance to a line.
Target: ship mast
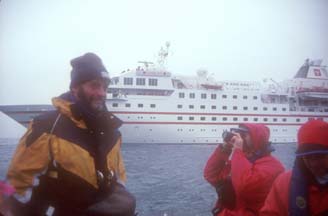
162	55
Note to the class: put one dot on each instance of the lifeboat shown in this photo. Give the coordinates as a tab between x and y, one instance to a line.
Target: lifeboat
315	92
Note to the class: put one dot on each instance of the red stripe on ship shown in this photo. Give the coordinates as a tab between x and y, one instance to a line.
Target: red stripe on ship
209	123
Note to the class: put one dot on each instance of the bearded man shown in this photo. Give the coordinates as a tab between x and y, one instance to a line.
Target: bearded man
70	159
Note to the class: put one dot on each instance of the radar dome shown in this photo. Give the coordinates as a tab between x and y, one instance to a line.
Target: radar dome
202	72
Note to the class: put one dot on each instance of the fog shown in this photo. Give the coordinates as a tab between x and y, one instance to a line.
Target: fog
233	39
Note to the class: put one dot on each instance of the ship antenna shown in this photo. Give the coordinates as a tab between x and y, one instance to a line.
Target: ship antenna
162	55
146	63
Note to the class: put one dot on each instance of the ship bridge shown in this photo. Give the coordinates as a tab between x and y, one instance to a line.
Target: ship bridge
146	81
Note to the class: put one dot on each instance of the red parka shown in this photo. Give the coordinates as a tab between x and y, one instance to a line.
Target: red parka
277	201
297	192
251	181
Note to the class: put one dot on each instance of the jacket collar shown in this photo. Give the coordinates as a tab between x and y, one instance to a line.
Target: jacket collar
66	105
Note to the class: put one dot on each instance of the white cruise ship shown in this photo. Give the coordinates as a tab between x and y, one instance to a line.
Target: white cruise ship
159	107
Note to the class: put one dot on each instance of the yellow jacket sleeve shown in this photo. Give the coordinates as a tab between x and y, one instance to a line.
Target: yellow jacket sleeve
115	161
30	160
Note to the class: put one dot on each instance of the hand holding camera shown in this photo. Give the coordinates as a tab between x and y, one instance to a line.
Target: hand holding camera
237	141
233	138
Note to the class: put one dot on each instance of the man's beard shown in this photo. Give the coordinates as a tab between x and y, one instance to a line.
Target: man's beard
95	104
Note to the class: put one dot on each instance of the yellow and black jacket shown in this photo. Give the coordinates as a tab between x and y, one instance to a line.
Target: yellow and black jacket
61	162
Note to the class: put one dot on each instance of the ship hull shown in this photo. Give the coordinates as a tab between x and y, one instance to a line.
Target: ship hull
192	134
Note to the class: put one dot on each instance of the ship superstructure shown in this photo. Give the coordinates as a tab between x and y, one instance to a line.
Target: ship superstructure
159	107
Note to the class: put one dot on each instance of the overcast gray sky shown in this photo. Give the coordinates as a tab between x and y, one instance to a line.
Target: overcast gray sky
234	39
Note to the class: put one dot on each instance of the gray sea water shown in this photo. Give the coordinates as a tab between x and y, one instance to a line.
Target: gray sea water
167	180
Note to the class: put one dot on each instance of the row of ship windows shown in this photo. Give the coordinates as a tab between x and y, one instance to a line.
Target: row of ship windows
214	107
245	119
139	105
213	96
214	130
151	82
139	81
180	106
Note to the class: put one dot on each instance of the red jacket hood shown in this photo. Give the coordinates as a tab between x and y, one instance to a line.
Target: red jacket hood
259	134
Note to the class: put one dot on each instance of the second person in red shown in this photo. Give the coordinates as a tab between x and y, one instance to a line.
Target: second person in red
303	190
244	181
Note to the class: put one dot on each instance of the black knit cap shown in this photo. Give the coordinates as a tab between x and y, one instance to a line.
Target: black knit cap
87	67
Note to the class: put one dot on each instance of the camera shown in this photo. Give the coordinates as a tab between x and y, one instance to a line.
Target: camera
227	135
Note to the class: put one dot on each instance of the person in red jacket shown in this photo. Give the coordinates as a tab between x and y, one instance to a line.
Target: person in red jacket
243	182
304	189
